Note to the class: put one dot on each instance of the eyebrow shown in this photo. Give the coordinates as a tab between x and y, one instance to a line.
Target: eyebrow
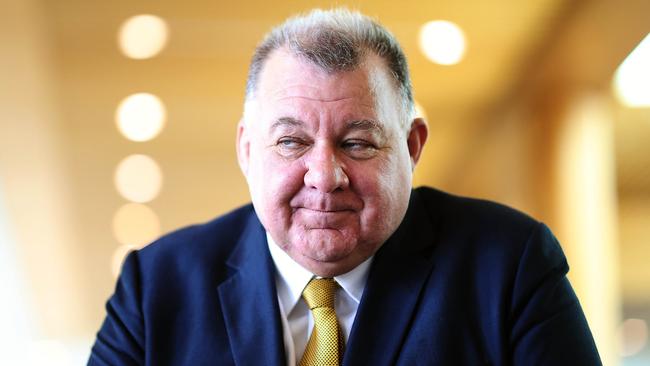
358	125
286	122
365	125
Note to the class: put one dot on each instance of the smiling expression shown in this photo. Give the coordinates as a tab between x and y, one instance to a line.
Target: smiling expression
328	160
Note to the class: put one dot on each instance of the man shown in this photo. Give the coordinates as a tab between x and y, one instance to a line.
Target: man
338	260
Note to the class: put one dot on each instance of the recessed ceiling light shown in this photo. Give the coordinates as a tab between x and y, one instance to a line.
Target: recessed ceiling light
138	178
442	42
143	36
141	116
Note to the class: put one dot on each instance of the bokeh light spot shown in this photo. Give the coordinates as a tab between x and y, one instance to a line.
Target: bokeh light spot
442	42
138	178
141	116
632	78
135	224
633	335
143	36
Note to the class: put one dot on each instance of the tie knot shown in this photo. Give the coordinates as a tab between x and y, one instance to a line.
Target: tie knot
320	293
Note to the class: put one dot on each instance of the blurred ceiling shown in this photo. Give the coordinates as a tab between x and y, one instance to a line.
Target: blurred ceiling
203	68
502	35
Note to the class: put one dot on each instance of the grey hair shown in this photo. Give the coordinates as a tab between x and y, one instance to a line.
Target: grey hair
335	40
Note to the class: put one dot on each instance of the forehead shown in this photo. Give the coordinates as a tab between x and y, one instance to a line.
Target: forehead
290	86
288	76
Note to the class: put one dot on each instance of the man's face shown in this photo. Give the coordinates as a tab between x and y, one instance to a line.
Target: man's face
328	170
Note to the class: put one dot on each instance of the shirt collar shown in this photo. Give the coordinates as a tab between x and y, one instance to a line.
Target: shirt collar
291	277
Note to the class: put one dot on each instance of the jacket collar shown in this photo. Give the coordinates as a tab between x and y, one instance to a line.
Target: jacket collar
395	283
249	301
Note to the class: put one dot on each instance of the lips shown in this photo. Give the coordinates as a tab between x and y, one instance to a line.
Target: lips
332	204
323	219
326	210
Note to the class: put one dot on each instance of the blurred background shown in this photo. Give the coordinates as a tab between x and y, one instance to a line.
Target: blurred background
117	124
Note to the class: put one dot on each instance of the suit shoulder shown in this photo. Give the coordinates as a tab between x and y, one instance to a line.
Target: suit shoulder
473	213
491	238
470	208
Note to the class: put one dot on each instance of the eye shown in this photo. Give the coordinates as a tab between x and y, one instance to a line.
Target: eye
359	149
288	146
288	143
355	145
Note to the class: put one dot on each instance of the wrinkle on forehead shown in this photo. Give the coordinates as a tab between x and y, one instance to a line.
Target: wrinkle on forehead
287	77
314	99
332	89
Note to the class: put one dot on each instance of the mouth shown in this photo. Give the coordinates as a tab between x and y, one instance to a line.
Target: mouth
326	206
323	219
328	214
325	211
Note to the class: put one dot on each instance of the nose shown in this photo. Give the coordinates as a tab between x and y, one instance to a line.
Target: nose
325	171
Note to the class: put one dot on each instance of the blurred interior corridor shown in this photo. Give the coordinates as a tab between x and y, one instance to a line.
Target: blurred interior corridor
117	127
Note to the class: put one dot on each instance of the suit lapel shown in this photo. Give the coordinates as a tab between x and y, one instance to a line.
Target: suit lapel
249	302
397	276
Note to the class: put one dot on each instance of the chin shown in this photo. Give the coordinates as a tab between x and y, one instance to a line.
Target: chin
326	252
333	262
330	269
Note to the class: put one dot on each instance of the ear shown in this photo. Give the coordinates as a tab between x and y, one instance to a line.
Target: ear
416	138
243	147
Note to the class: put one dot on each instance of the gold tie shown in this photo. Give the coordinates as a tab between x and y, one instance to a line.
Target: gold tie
325	346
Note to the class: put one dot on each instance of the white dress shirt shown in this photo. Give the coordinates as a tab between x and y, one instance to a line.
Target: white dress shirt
297	322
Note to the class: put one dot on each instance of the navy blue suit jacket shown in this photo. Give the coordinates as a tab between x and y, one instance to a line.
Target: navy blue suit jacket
461	282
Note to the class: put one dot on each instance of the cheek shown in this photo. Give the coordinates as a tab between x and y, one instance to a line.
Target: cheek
385	190
384	176
273	182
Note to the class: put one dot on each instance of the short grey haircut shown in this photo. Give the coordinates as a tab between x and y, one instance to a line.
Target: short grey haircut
335	40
